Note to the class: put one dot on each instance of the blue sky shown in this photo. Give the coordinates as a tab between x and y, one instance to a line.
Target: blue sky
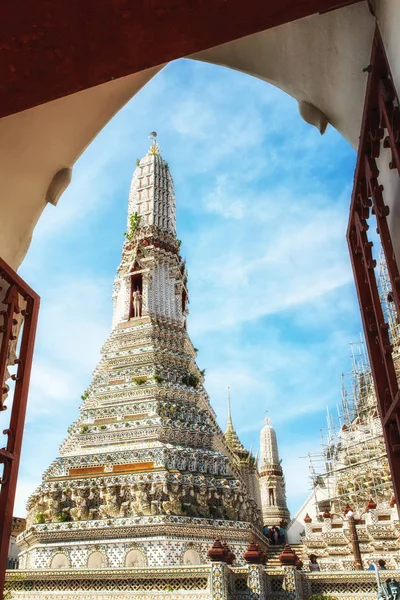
262	205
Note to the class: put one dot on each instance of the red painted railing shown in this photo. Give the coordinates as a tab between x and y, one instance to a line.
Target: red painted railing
380	129
19	307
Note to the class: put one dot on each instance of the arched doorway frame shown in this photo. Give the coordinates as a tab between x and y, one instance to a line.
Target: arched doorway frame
258	19
380	130
112	39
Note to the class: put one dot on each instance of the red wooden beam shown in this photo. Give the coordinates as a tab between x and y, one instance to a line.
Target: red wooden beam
20	301
50	49
380	128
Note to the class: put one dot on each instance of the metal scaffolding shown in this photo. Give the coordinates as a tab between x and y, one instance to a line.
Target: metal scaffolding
352	466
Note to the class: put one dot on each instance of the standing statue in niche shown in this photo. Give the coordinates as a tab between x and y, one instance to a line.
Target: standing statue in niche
271	497
137	303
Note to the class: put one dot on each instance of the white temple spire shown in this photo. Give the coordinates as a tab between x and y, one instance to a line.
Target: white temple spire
151	279
152	195
229	421
154	149
272	482
146	430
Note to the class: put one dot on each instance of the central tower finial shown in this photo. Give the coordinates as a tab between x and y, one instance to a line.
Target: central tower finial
155	149
229	424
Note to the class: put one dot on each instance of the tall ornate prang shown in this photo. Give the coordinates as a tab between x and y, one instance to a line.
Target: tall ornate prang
244	459
272	481
144	476
151	278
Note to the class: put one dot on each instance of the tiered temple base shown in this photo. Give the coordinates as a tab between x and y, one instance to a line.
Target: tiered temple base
131	542
378	536
216	581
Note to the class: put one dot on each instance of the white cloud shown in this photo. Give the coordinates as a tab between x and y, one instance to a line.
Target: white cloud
75	321
244	267
217	201
50	388
25	488
193	118
284	376
297	473
87	192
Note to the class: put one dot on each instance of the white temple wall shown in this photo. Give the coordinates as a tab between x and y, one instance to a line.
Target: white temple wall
318	60
255	488
267	483
297	526
388	15
162	298
122	299
157	552
390	180
280	494
155	291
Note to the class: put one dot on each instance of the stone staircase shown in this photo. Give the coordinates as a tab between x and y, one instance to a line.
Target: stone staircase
273	561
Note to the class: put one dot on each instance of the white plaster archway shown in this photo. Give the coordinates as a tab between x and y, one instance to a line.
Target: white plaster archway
59	561
135	558
96	560
191	557
319	60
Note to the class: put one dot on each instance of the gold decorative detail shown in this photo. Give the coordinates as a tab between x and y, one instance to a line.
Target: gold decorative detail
85	471
145	466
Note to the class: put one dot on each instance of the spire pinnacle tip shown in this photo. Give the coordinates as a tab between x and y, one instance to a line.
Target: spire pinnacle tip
154	149
229	423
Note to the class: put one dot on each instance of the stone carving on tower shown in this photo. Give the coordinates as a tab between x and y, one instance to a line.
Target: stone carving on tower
145	468
272	481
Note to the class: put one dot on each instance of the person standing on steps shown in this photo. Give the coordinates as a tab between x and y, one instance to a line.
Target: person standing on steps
282	535
313	564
